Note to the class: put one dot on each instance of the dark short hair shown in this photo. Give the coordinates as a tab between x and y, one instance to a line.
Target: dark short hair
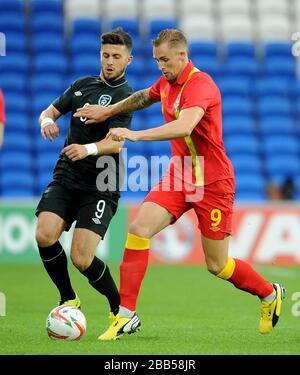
174	37
117	36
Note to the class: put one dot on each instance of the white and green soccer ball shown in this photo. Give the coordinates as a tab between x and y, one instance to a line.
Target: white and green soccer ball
66	323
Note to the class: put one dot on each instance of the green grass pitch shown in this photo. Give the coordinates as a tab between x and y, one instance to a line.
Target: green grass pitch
183	309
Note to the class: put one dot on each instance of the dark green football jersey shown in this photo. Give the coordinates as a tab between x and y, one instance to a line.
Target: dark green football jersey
82	174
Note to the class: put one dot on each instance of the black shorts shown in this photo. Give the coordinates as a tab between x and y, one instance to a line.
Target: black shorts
91	210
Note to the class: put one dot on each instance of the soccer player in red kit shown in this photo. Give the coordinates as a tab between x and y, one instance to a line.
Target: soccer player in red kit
2	118
191	104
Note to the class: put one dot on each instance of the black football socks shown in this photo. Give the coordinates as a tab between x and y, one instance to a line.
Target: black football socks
100	278
56	264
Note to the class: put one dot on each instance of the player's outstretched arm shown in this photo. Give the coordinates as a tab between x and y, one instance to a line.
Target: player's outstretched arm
179	128
49	129
96	113
77	152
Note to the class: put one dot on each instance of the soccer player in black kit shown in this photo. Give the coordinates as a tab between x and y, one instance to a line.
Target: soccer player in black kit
73	195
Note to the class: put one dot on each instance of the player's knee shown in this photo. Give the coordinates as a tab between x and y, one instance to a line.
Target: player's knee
139	230
214	267
80	261
45	236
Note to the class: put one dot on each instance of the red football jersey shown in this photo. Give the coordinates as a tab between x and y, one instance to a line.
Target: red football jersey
206	139
2	112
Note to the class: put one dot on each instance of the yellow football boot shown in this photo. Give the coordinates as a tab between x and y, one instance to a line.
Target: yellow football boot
270	311
120	326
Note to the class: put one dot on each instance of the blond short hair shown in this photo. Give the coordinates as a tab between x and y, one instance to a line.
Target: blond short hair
174	37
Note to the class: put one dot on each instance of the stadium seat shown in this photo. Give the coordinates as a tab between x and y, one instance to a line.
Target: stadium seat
273	106
17	179
130	25
16	103
47	43
272	86
46	161
17	122
46	6
235	104
158	24
15	6
276	125
20	141
198	27
250	186
13	83
17	193
282	166
84	44
86	26
273	28
242	144
279	49
272	7
49	63
16	160
203	49
43	83
191	7
47	22
78	8
234	7
157	9
88	64
14	63
280	66
240	49
238	125
12	22
251	163
122	9
243	67
234	86
281	145
16	42
236	28
209	65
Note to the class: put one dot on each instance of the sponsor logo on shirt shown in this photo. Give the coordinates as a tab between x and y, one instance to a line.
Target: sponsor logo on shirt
78	93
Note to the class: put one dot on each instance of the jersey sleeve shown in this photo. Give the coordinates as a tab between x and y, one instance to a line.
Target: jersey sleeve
154	92
2	108
64	102
198	92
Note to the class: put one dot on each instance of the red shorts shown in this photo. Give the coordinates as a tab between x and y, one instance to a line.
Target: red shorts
214	208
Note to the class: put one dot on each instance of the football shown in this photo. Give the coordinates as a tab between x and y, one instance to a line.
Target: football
66	323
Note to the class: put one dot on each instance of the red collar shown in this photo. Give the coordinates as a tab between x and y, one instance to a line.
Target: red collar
183	76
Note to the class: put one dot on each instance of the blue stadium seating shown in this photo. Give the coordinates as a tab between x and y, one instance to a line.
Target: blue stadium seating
90	26
12	22
131	26
198	49
47	22
276	125
46	52
15	6
238	125
46	6
281	145
242	144
239	49
277	49
47	42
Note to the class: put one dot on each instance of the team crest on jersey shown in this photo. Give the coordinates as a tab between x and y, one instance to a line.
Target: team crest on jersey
104	100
